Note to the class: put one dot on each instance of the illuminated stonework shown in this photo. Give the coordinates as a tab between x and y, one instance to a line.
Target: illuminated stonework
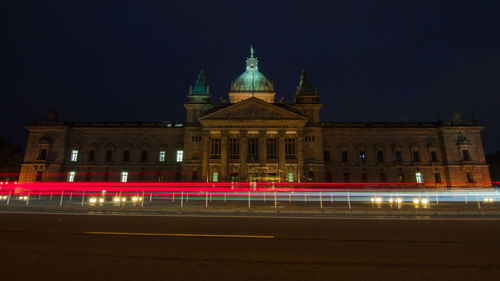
254	138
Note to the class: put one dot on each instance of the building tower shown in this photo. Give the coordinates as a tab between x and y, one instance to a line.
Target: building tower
199	99
307	99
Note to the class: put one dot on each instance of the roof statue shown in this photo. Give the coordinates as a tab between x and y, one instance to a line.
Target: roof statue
462	139
252	80
457	116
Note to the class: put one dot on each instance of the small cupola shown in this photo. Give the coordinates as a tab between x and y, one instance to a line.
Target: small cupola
306	92
200	93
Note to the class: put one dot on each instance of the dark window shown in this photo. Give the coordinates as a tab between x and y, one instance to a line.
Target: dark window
215	148
380	156
346	177
469	177
364	177
177	176
126	155
91	155
88	176
434	157
109	155
328	176
466	155
416	156
344	157
401	177
39	175
253	149
142	176
362	156
311	175
326	156
289	148
437	178
272	148
383	177
309	138
397	156
106	176
43	154
195	175
144	155
234	148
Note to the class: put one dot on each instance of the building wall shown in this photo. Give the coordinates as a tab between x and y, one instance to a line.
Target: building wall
63	139
319	148
450	165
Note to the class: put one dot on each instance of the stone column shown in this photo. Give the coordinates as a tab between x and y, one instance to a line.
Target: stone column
223	158
283	173
243	156
262	148
299	142
205	154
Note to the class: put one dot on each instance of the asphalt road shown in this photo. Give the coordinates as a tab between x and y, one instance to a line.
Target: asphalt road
118	247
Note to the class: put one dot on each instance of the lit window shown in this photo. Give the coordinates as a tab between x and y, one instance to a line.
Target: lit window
215	177
290	177
74	155
179	155
124	176
362	156
161	157
71	176
418	177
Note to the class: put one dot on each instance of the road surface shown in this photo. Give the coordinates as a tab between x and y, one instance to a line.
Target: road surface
148	247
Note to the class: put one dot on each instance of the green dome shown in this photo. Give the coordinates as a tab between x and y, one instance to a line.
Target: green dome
252	80
201	87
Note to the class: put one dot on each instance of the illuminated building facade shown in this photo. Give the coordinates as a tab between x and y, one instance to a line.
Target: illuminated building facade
254	138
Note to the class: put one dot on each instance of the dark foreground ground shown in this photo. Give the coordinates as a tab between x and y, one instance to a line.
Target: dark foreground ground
58	247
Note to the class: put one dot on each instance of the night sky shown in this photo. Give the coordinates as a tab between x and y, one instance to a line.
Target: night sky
134	60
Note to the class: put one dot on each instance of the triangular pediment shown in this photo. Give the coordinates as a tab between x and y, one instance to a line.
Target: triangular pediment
253	109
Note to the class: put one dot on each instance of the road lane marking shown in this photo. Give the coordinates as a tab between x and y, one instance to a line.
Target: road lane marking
182	235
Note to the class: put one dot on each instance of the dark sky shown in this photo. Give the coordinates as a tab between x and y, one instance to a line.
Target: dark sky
134	60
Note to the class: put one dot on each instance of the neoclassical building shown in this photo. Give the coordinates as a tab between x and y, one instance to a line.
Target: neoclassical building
255	138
